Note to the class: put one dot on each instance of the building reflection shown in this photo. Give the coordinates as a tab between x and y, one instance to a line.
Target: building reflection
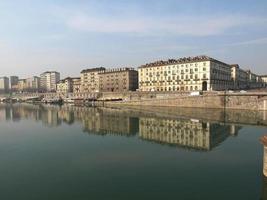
185	133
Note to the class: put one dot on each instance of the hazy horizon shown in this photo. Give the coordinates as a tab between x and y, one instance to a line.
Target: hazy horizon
68	36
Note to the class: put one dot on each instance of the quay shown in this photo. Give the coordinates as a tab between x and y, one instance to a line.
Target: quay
250	100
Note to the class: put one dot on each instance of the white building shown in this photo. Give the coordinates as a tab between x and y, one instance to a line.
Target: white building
49	80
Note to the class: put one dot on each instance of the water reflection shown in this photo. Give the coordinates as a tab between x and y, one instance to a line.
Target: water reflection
167	130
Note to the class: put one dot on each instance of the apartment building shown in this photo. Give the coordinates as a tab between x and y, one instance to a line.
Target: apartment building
118	80
33	84
49	80
76	85
4	84
185	74
90	79
68	85
13	82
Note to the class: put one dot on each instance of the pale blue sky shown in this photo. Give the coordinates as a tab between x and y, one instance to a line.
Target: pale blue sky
68	36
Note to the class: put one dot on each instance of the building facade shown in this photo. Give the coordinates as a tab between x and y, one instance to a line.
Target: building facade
4	84
240	77
185	74
76	85
90	79
264	80
49	80
13	83
118	80
68	85
33	84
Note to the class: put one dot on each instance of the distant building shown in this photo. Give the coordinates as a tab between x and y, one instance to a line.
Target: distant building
264	79
49	80
118	80
90	79
13	83
33	84
76	85
22	85
4	84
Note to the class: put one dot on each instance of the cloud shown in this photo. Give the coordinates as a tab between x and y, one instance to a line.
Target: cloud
169	25
250	42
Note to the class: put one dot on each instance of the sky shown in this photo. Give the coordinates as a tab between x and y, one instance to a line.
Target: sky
68	36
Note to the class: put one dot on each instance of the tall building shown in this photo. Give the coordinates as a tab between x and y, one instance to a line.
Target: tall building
33	84
118	80
22	85
49	80
4	84
185	74
13	83
90	79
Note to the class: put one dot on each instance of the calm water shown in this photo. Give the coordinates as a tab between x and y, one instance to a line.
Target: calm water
48	152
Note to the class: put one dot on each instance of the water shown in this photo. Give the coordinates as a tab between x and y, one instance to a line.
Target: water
50	152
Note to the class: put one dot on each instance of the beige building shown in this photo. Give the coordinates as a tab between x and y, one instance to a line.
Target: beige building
33	84
76	85
68	85
90	79
118	80
49	80
22	85
264	80
185	74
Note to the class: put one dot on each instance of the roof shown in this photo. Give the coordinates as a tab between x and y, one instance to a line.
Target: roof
181	61
93	69
116	70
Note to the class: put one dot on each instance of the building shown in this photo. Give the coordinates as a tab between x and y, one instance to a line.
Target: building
118	80
49	80
264	80
76	85
185	74
33	84
240	77
66	85
4	84
90	79
13	83
22	85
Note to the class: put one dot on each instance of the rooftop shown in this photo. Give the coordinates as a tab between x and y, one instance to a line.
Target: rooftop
93	69
181	61
114	70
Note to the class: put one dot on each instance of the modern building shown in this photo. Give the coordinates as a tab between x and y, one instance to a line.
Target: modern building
118	80
90	79
33	84
185	74
4	84
49	80
67	85
13	83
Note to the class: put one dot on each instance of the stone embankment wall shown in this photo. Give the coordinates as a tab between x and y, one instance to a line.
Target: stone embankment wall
245	102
